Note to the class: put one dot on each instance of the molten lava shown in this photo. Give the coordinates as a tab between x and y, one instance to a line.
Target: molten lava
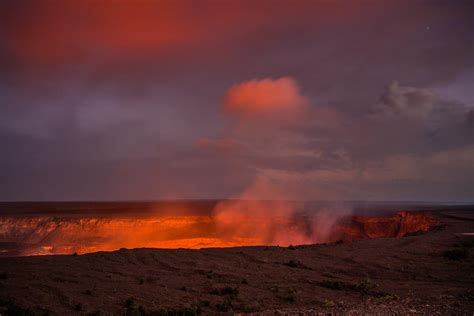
41	235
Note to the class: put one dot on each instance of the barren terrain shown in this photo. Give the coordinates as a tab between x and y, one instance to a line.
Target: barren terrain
421	273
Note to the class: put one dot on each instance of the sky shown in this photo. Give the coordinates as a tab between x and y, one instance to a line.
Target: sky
266	99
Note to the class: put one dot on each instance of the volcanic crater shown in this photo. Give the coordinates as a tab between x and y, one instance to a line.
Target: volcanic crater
404	262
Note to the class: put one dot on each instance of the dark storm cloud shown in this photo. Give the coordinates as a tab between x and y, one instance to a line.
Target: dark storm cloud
92	96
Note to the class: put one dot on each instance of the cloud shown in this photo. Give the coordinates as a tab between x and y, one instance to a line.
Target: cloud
417	120
290	144
265	97
419	103
413	135
413	102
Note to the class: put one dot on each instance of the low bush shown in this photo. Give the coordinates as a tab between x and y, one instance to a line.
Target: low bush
364	286
469	243
293	264
130	302
231	291
77	307
457	254
328	303
289	295
225	306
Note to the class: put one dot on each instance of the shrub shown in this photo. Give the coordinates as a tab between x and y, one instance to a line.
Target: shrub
467	243
335	285
328	303
11	308
364	286
187	311
231	291
130	302
252	308
78	307
289	295
456	254
468	295
386	296
225	306
293	264
205	303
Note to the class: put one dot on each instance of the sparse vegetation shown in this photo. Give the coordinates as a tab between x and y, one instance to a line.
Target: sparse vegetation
296	264
457	254
230	294
204	303
77	307
225	306
335	285
141	311
469	243
291	247
11	308
293	263
95	313
231	291
151	279
468	295
386	296
289	295
247	308
130	302
364	286
328	303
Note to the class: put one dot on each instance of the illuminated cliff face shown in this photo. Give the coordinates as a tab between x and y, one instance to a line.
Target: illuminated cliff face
66	235
398	225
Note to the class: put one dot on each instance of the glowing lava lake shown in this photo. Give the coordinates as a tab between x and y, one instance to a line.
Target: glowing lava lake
41	228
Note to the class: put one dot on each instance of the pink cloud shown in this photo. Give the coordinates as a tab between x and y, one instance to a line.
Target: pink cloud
262	97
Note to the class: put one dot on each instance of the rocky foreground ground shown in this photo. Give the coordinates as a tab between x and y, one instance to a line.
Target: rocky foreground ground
422	273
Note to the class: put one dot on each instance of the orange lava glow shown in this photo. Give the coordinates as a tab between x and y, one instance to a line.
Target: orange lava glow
48	235
53	235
